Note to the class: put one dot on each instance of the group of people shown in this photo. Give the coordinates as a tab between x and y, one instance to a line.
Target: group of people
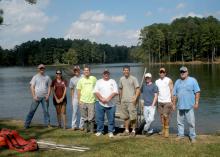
92	99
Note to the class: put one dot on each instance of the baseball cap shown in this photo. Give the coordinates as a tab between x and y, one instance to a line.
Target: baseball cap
76	67
58	72
148	75
183	68
106	71
162	70
41	66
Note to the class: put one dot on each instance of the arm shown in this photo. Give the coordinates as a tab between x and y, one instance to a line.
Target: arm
111	96
79	95
64	94
48	93
137	93
197	97
171	89
33	92
174	103
98	95
155	99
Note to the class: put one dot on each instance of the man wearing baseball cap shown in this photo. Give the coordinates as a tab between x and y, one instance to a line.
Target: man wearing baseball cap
105	90
187	93
40	90
165	107
77	120
149	94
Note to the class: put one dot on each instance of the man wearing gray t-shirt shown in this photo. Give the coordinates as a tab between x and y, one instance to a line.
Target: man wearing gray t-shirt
129	90
40	90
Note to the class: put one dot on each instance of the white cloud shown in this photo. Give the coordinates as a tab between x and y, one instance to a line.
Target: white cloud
94	25
192	14
98	16
148	13
23	22
180	6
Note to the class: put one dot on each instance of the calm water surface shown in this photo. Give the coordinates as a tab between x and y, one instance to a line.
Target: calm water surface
16	98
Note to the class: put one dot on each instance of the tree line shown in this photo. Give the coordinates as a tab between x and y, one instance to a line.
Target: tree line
184	39
61	51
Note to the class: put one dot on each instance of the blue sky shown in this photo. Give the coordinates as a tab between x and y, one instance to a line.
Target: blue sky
103	21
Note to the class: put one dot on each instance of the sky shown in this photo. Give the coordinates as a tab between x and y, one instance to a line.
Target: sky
115	22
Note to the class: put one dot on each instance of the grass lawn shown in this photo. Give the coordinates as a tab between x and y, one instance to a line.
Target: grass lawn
207	145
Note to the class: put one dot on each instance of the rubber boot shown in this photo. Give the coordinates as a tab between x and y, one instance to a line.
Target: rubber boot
166	127
162	126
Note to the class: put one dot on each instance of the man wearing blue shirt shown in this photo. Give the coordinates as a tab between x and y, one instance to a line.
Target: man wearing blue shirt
187	93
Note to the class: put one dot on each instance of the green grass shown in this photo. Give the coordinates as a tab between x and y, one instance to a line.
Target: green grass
207	145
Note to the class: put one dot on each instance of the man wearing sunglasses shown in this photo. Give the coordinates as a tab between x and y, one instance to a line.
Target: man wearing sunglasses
40	90
187	93
165	87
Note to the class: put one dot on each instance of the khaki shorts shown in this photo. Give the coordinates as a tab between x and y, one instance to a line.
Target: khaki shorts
87	111
165	109
128	111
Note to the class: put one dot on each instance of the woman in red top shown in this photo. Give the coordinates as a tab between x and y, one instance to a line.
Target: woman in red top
59	97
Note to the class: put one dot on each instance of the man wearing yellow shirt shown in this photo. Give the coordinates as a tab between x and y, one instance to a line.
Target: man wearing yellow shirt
86	99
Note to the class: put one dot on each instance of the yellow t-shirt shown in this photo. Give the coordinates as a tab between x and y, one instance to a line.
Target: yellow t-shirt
86	85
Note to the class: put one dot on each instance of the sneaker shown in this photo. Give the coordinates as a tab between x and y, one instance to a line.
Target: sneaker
110	135
49	126
73	129
179	138
98	134
26	127
193	140
125	133
133	133
81	129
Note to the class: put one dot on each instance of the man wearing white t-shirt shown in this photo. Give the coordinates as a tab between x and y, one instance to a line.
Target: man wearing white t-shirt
165	87
105	90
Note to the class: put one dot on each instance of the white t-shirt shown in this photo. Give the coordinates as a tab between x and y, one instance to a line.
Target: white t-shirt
164	90
41	83
105	89
73	83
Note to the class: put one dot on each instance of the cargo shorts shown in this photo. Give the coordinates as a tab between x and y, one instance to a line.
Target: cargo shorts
128	111
164	109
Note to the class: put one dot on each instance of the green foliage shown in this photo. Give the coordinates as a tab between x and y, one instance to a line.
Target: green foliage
185	39
70	57
60	51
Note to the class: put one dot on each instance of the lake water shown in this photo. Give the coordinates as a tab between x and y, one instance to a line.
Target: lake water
16	98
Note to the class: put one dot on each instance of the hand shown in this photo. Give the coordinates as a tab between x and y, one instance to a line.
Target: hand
134	100
35	98
47	97
80	102
196	106
174	107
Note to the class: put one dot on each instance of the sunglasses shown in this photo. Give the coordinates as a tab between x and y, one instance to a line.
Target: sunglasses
42	68
58	73
181	72
162	72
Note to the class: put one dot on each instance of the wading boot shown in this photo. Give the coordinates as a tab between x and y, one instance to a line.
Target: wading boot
166	127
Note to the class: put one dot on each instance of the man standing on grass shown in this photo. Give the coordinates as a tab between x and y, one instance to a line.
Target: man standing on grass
129	91
105	89
149	94
187	92
165	107
40	90
86	99
76	116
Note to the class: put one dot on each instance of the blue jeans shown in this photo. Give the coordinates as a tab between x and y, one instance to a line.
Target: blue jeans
100	117
190	118
34	106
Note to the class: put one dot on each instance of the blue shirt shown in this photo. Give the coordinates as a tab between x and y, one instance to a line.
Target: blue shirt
148	92
185	91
